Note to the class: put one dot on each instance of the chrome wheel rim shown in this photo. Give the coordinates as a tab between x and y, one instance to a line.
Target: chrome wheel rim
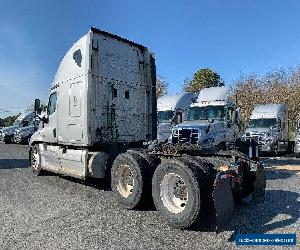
125	181
174	193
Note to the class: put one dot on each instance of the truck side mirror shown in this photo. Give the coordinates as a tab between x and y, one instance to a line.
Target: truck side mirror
177	118
236	116
207	129
45	119
37	105
278	125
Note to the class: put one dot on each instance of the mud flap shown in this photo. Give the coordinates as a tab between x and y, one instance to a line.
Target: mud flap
259	185
223	200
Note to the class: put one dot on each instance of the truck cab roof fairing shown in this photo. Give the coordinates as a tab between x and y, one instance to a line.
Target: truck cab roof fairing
177	101
213	94
68	66
141	47
268	111
75	62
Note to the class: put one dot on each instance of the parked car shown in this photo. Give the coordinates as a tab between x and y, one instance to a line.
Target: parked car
22	135
7	133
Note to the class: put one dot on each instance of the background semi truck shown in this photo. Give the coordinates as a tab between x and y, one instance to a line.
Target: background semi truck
297	139
100	118
171	111
23	120
268	125
212	121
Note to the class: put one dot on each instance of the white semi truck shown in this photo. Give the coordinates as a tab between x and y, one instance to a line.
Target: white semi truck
297	140
102	112
268	125
171	110
212	121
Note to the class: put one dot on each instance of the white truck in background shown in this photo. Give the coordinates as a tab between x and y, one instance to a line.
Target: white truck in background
171	111
297	139
101	121
22	121
268	125
212	121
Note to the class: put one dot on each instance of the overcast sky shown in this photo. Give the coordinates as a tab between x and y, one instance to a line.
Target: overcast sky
232	37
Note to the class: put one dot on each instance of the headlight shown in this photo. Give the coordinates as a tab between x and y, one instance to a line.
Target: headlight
175	131
269	139
263	136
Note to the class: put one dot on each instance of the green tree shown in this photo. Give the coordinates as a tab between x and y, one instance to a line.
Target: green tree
278	86
203	78
8	121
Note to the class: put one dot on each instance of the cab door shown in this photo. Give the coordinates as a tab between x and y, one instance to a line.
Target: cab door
49	149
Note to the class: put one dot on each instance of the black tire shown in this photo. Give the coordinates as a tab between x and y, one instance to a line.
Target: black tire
8	140
297	155
141	174
194	179
24	140
35	151
208	173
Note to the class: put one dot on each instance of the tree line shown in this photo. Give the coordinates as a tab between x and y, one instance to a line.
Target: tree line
8	121
277	86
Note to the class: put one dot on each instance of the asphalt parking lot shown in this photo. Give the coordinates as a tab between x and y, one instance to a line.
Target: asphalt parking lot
54	212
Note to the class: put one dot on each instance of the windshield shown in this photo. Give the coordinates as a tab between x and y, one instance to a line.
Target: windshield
24	123
16	122
205	113
262	123
165	116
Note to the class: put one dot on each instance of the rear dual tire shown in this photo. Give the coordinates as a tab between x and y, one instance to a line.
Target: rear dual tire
131	175
179	190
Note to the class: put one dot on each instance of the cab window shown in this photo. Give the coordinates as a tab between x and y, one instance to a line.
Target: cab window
52	103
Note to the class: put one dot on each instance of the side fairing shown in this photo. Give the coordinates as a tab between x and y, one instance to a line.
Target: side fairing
71	81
